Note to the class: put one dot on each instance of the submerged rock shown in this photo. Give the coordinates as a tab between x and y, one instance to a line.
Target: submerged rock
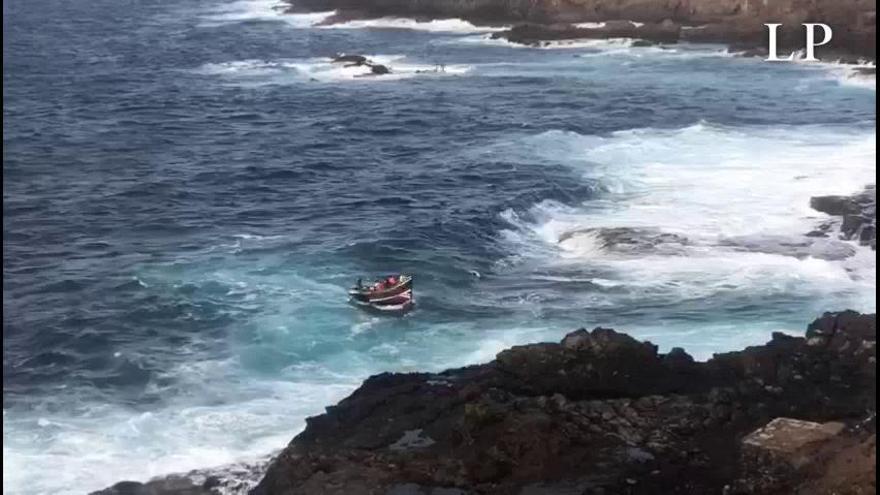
379	69
629	240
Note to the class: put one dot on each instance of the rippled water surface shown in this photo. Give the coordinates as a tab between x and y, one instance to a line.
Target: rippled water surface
190	186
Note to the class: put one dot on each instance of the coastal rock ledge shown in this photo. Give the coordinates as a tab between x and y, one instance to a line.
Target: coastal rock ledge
739	23
602	413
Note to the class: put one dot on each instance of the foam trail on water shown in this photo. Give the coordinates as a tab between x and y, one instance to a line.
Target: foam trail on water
604	47
714	211
290	71
437	26
594	44
260	10
861	74
104	444
590	25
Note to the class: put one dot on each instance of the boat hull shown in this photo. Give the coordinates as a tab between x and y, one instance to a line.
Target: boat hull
382	296
397	305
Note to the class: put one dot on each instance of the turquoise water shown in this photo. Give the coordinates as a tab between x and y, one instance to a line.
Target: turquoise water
190	187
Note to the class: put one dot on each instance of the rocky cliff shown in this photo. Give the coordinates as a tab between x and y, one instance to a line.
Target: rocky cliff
600	412
597	413
738	22
857	214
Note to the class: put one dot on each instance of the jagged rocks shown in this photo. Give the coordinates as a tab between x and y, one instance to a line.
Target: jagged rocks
361	61
782	438
793	456
233	479
599	412
171	485
735	22
628	240
858	215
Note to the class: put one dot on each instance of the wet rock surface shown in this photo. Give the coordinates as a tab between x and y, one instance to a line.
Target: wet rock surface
857	216
361	61
739	23
231	479
598	412
628	240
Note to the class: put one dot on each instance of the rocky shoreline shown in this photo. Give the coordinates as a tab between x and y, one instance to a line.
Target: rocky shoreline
738	23
856	216
597	413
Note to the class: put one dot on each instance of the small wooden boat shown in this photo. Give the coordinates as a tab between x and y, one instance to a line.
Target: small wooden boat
391	295
383	290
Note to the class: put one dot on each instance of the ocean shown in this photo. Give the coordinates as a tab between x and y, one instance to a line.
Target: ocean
190	186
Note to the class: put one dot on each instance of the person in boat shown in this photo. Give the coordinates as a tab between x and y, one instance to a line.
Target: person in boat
392	281
360	284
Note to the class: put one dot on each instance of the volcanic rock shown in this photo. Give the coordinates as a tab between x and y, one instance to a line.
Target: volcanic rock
858	215
739	23
599	412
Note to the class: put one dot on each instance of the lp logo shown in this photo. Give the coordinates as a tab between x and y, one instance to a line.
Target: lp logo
811	41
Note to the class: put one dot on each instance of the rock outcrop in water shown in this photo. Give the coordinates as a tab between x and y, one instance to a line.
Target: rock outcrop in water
361	61
858	214
600	412
735	22
627	240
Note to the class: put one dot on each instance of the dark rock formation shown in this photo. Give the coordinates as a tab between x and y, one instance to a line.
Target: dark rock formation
735	22
360	61
536	34
350	59
858	215
178	485
232	479
632	240
599	412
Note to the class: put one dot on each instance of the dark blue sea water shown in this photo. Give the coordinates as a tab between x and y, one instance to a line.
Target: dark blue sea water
190	186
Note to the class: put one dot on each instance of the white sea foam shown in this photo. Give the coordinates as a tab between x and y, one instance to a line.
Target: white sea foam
604	47
853	75
592	44
706	183
105	444
846	74
437	25
260	10
288	71
302	350
595	44
590	25
600	25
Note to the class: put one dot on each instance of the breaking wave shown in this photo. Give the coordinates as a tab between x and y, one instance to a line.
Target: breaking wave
703	210
262	72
